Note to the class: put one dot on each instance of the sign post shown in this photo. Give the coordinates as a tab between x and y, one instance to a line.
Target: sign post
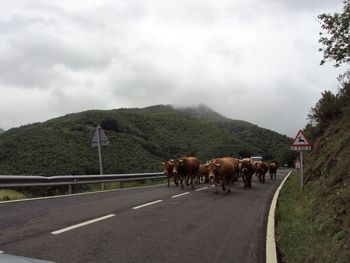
99	139
301	143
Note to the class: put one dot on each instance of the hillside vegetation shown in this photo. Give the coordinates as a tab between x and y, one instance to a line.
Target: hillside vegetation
314	222
140	139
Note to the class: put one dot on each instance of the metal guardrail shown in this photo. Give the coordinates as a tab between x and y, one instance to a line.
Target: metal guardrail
30	180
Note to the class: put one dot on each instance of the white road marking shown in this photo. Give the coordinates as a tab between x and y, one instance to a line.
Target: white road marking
271	254
174	196
82	224
151	203
200	189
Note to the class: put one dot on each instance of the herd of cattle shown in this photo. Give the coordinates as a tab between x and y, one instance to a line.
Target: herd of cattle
224	170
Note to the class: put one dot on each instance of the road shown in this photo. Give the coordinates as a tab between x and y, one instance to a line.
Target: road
152	224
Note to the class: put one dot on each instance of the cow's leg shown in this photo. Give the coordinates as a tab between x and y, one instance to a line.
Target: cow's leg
249	181
187	179
198	178
229	183
176	181
206	179
223	184
263	178
168	181
182	183
216	191
192	180
244	179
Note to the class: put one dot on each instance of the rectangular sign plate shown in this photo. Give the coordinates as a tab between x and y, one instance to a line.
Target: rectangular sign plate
300	148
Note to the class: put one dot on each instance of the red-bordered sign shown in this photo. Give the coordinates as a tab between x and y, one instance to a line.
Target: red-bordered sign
301	142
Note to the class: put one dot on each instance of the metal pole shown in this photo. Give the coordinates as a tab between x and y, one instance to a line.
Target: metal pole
99	153
301	170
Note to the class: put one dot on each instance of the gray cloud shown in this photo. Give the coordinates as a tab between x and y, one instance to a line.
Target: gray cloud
251	60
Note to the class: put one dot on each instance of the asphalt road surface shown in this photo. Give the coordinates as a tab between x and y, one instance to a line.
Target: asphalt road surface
150	224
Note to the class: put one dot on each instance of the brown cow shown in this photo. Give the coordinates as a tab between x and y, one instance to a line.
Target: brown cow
168	167
246	170
261	169
273	166
223	169
203	173
186	168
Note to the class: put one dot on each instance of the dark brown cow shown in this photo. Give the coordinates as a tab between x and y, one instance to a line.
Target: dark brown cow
273	166
203	173
246	170
168	167
223	169
186	168
261	169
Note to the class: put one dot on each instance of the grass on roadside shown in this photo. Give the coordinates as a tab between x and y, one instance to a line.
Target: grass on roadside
6	195
306	228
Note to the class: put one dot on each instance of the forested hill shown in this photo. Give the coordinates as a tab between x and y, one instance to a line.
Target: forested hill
1	131
140	139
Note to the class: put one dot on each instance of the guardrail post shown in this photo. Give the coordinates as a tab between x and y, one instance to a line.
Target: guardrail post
70	189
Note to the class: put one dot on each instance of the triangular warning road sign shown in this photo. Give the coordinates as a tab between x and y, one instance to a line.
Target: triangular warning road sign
300	140
99	132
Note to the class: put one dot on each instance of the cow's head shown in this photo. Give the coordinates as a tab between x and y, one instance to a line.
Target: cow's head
214	169
178	165
168	166
246	167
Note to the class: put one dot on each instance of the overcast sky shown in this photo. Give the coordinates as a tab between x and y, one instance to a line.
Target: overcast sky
252	60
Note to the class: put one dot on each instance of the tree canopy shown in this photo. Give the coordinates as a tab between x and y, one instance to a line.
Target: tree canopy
336	38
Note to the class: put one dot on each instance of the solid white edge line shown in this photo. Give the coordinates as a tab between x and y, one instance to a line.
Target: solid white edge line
200	189
151	203
271	254
174	196
81	224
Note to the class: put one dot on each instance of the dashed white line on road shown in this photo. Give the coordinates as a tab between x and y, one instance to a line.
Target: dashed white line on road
151	203
174	196
81	224
200	189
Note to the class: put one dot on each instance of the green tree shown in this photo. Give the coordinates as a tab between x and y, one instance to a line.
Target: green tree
325	110
336	39
344	91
